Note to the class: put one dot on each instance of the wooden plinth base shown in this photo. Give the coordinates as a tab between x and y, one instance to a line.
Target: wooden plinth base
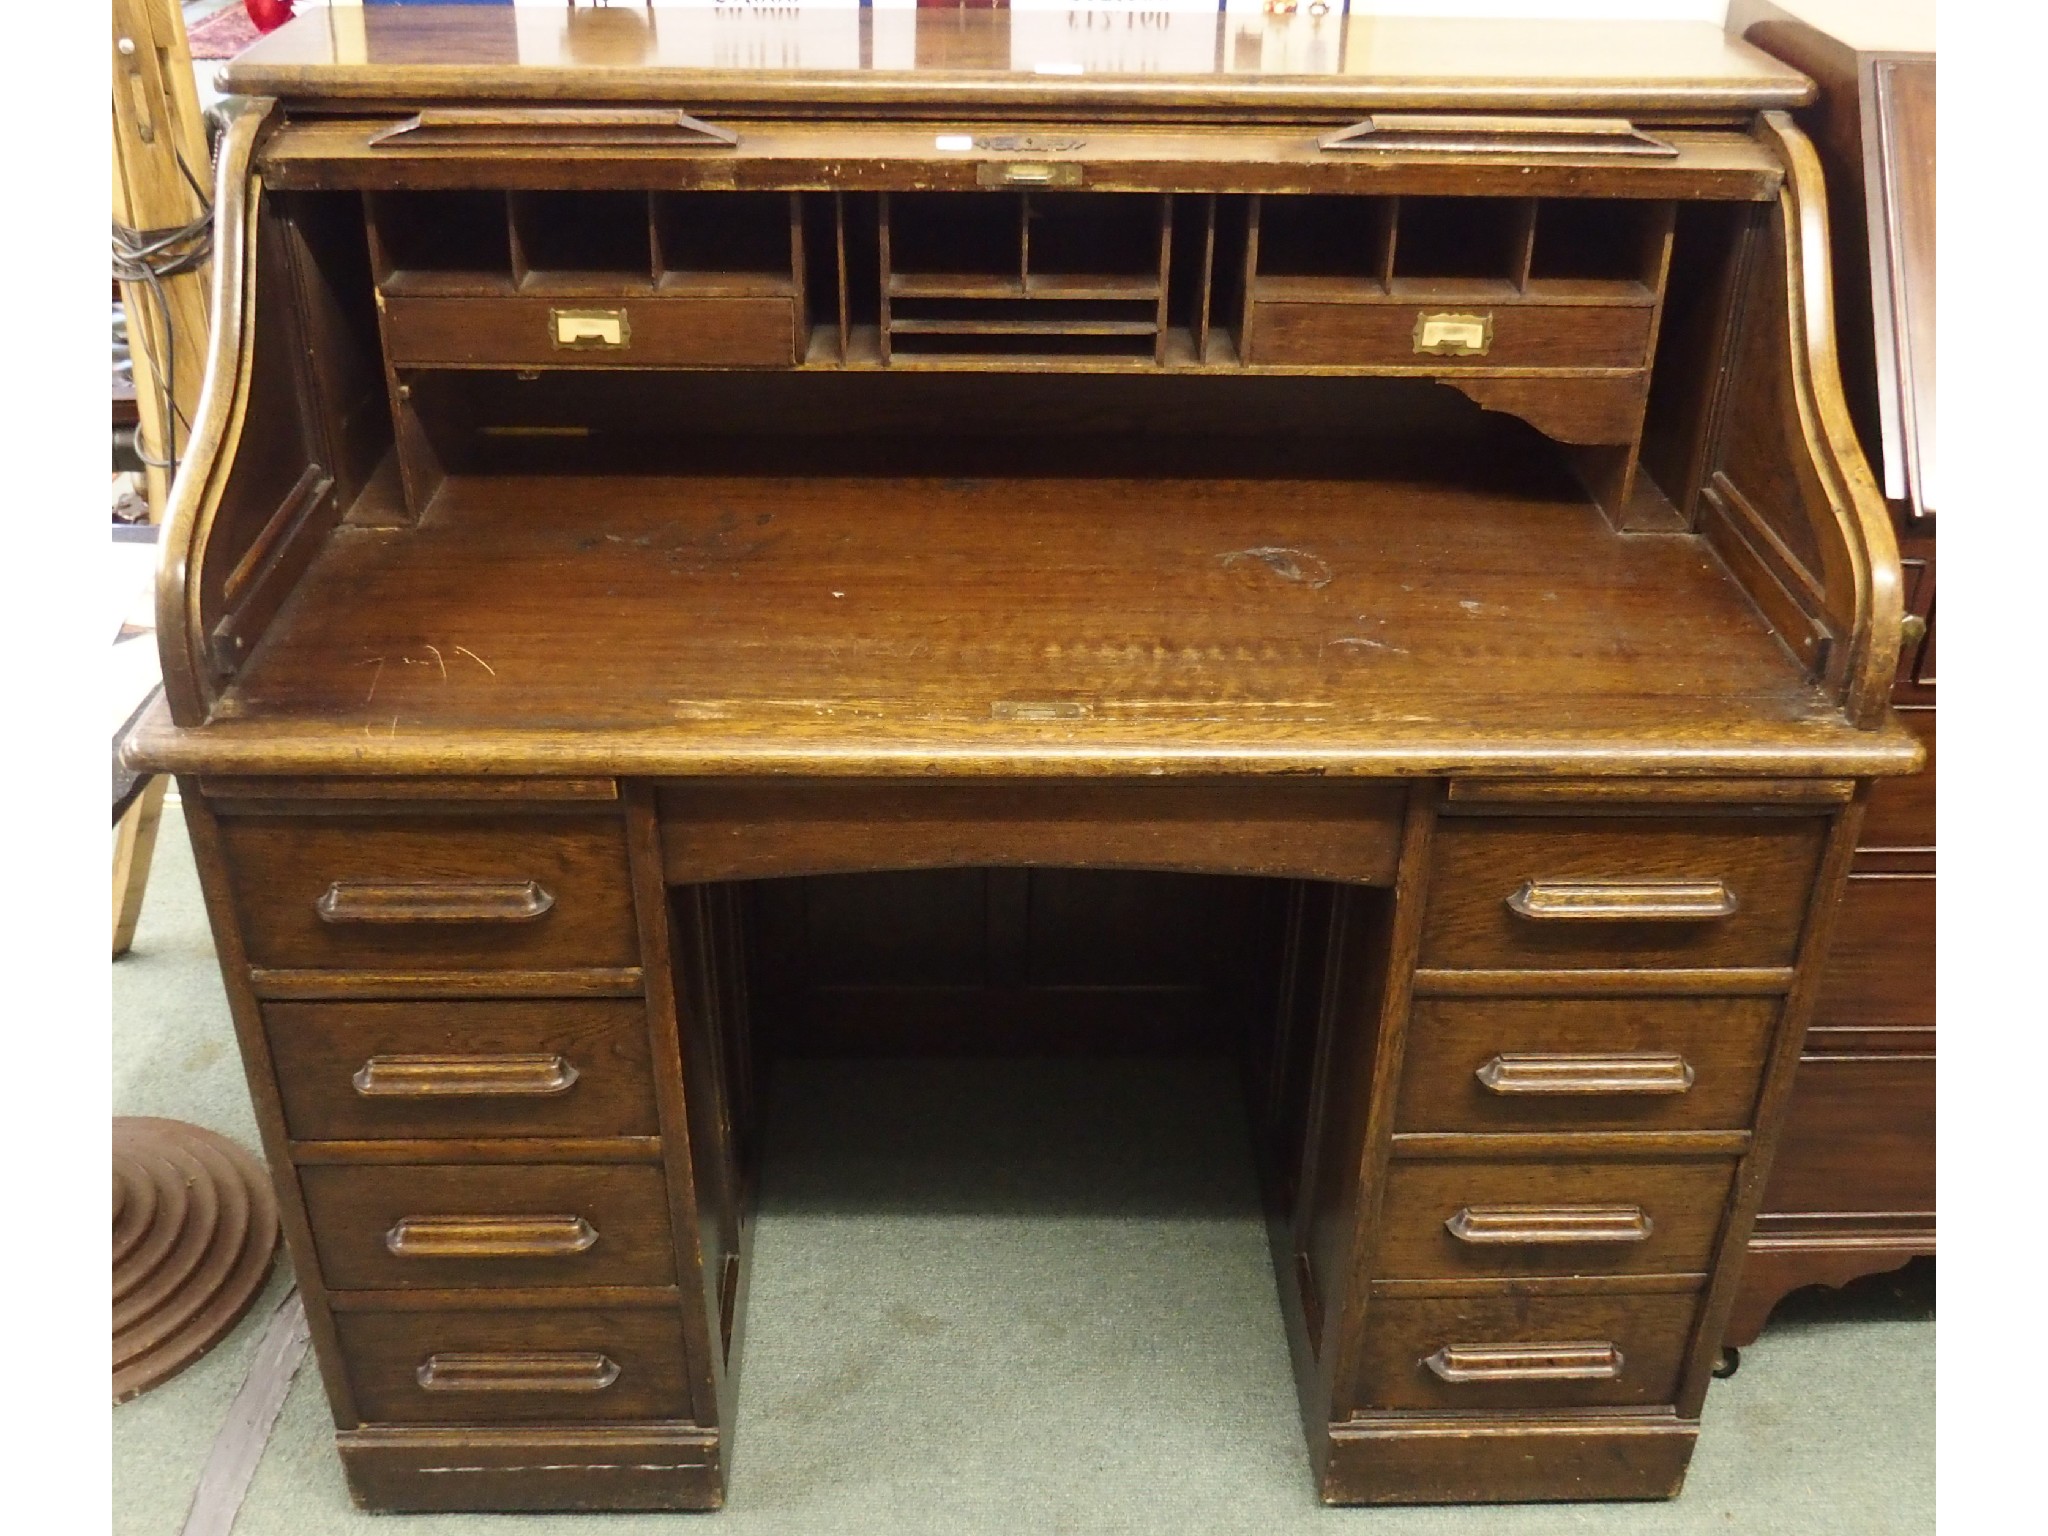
1403	1459
195	1231
542	1467
1776	1266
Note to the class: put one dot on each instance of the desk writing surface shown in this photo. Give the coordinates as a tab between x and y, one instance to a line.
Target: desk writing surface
1288	610
913	56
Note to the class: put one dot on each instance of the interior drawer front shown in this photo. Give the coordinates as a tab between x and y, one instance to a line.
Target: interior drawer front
1619	892
406	1227
432	892
529	1366
604	331
1386	335
420	1070
1461	1220
1524	1351
1584	1063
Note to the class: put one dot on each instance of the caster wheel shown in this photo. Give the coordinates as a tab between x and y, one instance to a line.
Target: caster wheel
1729	1363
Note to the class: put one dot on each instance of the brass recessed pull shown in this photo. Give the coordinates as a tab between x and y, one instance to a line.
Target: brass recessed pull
1627	901
554	127
1027	173
1448	335
1448	133
434	901
464	1077
589	328
1527	1225
490	1237
1593	1360
517	1371
1538	1072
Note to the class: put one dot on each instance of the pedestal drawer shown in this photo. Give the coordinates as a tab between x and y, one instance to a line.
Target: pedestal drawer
422	1070
1524	1351
516	1366
400	1227
1456	1220
432	892
1619	892
1584	1064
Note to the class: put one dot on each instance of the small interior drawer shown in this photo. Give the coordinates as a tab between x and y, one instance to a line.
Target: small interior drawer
545	1067
524	1366
592	330
1524	1351
1451	334
1584	1063
431	892
1619	892
404	1227
1455	1219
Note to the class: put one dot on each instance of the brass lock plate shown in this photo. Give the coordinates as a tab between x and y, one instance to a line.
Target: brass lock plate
589	329
1452	335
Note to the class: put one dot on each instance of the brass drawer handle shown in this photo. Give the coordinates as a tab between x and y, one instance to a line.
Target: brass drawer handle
553	128
1537	1072
434	901
1595	1360
584	330
520	1371
463	1077
1597	901
490	1237
1517	1225
1454	133
1442	334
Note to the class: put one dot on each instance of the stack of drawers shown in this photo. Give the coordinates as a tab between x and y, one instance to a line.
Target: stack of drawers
452	1006
1596	1003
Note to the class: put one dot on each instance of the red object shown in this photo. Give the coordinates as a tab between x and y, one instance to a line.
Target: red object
268	15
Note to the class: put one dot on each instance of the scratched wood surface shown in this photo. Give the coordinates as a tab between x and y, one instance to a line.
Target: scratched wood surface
851	619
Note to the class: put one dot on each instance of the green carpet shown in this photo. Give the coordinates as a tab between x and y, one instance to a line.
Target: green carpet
1016	1298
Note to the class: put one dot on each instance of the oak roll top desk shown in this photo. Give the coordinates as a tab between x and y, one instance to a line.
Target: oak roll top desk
1399	466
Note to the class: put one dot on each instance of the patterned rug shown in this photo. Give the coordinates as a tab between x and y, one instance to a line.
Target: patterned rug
223	34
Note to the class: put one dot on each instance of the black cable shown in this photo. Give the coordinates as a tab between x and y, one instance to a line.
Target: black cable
146	257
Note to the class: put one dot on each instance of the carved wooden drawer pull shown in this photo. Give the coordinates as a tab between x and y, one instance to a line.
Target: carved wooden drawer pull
1639	901
1538	1072
521	1371
463	1077
490	1237
1596	1360
435	901
1524	1224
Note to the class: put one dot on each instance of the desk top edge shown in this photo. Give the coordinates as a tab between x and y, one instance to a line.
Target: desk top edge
980	60
1819	750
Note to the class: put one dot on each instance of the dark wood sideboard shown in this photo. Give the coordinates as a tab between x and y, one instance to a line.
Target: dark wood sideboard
1853	1188
1340	543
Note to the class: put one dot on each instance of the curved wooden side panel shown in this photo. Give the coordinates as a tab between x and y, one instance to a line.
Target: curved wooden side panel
223	400
284	435
1791	502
